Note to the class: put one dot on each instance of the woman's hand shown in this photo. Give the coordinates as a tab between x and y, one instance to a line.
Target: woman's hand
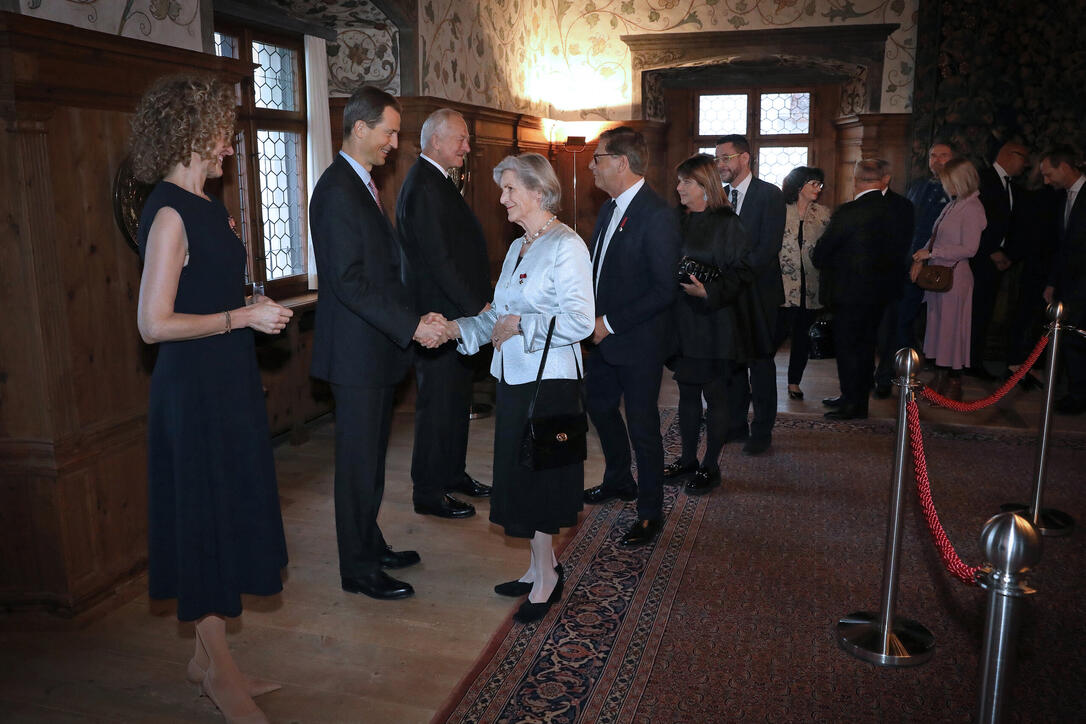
268	317
505	328
921	254
694	288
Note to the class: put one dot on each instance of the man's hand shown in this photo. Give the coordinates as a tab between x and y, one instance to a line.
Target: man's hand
1049	294
600	332
1002	261
504	328
694	288
431	331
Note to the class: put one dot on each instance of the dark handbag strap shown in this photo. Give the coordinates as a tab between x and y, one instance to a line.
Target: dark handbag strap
543	363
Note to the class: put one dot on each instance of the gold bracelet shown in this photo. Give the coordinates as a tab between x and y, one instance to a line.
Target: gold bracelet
227	313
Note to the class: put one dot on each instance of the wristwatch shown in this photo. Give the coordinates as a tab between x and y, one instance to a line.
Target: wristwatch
519	330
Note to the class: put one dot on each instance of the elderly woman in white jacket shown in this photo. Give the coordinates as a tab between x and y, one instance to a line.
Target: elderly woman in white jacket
547	274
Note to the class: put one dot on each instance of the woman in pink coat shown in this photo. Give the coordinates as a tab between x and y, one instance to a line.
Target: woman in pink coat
956	237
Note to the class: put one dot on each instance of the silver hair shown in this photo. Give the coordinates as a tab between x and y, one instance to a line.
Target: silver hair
537	174
434	121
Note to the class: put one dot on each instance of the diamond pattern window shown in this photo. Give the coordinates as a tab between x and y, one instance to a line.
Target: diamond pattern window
774	162
226	46
785	113
275	78
722	114
281	202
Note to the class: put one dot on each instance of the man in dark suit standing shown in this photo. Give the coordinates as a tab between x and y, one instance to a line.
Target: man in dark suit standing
860	256
997	192
760	206
365	323
448	273
1067	280
635	256
902	212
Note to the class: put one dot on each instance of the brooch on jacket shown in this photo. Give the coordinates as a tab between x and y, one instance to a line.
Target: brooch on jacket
622	223
522	278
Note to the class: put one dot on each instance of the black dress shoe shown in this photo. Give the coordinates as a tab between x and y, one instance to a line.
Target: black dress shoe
529	611
882	391
469	486
518	588
377	585
847	412
833	401
677	470
703	481
642	532
795	394
738	435
447	507
757	445
398	559
601	494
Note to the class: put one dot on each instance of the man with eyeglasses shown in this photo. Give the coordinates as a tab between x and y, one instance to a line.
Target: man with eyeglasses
761	208
635	252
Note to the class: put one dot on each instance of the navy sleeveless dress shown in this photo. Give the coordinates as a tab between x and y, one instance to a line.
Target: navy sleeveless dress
215	529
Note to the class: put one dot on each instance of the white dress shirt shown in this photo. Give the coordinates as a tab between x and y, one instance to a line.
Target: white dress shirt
363	174
741	188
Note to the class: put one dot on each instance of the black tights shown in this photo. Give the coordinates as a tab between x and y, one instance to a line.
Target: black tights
690	420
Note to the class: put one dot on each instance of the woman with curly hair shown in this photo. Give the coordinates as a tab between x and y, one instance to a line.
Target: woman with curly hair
805	220
214	525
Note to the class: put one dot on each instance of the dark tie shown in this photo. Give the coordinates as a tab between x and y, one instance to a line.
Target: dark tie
1010	197
733	196
597	248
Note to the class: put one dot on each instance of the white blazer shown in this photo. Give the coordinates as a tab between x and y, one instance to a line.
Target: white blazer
554	279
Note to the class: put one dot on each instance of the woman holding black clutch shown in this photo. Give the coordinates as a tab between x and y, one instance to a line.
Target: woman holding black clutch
709	316
547	276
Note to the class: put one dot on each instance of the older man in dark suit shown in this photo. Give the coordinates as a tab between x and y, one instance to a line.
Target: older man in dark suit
365	324
1067	280
902	212
447	272
760	206
635	255
860	256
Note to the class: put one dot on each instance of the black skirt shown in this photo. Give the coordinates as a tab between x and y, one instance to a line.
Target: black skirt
525	501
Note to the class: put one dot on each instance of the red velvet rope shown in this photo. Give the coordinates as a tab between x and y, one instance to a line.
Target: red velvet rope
936	399
950	557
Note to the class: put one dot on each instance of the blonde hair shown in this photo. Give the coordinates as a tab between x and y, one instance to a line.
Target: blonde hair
180	115
959	177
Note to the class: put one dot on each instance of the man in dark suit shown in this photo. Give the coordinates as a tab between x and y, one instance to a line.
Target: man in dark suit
902	212
1067	280
997	192
760	206
365	323
860	258
448	273
635	255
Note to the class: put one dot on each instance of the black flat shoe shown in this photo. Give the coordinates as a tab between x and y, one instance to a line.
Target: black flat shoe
529	611
447	507
469	486
795	394
642	532
675	471
378	585
515	589
703	481
398	559
600	494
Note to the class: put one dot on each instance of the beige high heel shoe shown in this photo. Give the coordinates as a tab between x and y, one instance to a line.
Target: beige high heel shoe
196	674
251	715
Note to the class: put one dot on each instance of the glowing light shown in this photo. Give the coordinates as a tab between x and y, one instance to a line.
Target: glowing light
558	131
550	80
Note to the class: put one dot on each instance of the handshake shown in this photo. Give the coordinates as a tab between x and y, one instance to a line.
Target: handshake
434	330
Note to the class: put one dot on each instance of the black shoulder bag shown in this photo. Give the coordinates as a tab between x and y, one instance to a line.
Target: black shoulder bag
556	433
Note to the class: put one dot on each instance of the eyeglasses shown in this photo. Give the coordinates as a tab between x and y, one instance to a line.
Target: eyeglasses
597	156
817	184
729	157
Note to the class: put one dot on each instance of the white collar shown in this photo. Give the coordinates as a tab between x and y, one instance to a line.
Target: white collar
1077	185
867	192
1003	175
623	199
743	185
358	168
436	165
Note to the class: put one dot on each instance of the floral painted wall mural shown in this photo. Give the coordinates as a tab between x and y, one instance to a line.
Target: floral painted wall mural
565	59
170	22
366	49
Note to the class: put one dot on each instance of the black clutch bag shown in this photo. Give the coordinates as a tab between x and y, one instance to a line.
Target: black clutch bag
556	433
704	273
821	336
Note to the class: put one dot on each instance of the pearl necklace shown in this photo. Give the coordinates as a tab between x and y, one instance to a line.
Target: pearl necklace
529	238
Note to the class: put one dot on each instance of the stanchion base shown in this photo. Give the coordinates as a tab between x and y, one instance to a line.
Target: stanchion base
860	634
1053	523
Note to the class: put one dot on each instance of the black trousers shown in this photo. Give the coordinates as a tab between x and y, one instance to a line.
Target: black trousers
363	421
855	329
795	322
638	385
755	384
986	280
444	379
716	420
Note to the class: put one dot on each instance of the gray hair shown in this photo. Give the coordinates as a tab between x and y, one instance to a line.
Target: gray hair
537	174
435	121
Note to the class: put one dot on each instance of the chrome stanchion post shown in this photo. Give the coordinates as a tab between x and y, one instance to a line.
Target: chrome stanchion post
884	638
1048	521
1012	545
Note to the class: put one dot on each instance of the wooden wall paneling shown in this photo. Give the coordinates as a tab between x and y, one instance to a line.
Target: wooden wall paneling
871	135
